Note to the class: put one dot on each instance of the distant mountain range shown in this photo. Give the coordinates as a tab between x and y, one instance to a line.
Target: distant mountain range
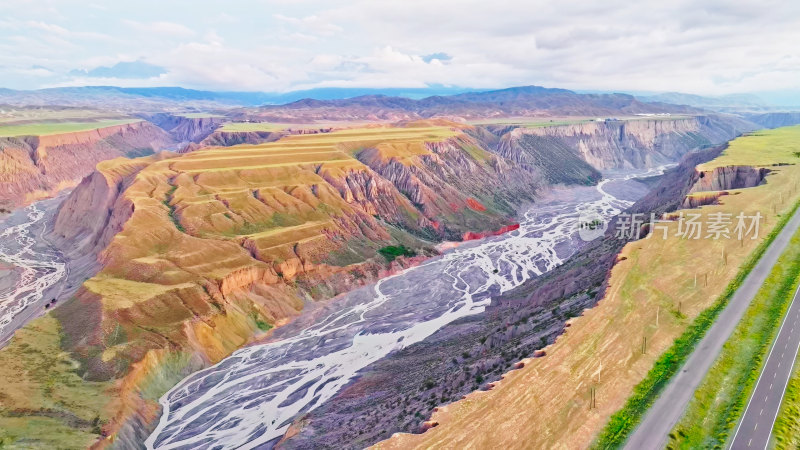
368	103
116	97
724	102
526	101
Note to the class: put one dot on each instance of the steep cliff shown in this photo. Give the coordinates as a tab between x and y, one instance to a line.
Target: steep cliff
729	177
32	167
96	211
616	144
186	129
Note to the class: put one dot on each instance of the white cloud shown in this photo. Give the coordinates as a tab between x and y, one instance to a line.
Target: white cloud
311	24
713	47
163	28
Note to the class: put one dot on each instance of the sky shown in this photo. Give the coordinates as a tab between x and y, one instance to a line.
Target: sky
709	48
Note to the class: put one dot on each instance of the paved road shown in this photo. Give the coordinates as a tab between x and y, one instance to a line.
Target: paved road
755	427
652	432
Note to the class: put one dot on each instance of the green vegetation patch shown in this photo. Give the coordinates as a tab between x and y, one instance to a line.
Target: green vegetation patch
720	399
48	404
644	394
173	216
261	324
43	129
761	148
393	251
243	127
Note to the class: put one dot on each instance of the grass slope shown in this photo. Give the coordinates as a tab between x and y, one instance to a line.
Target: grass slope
250	126
44	129
46	393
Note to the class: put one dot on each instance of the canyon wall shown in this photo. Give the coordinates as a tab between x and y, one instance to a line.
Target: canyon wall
618	144
186	129
33	167
729	177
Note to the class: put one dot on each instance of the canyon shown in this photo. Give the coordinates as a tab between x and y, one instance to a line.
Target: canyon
198	254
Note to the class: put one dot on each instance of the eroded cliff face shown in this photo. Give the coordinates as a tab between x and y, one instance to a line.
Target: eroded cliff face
33	167
96	211
618	144
186	129
729	177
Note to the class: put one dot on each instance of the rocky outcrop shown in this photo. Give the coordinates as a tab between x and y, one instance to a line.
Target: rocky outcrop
729	177
33	167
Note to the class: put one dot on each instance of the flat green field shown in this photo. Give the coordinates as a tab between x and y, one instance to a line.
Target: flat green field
18	115
43	129
761	148
244	127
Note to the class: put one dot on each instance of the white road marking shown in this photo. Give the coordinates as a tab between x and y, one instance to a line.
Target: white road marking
762	374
